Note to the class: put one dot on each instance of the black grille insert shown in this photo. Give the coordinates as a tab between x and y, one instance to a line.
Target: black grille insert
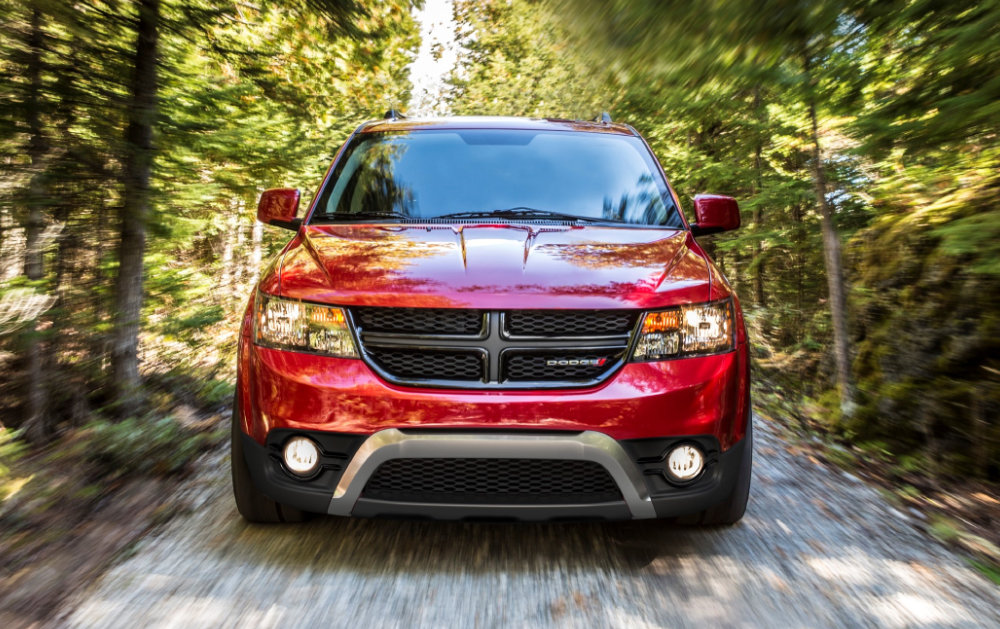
492	481
419	320
569	322
419	363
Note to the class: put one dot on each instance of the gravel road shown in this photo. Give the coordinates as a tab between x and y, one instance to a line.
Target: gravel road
817	549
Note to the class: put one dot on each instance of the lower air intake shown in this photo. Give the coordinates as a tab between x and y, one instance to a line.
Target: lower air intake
492	481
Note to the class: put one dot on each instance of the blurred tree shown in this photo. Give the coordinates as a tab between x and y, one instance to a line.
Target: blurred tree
515	63
137	167
928	328
786	48
36	425
163	145
839	121
871	124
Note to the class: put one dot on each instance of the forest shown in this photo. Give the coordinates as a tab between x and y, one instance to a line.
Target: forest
861	138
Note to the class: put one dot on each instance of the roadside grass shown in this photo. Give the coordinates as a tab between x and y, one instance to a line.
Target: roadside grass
48	493
946	529
71	507
188	373
153	445
961	514
85	464
992	572
11	451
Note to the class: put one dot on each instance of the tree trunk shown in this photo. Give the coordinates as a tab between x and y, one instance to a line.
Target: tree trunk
256	251
67	264
228	272
36	424
138	161
4	229
240	262
760	298
834	272
800	263
758	184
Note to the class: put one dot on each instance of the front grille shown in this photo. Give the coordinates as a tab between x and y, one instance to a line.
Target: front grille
569	322
492	481
540	367
443	365
419	320
470	348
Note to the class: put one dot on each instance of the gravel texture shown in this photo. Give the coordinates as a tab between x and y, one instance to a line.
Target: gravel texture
817	548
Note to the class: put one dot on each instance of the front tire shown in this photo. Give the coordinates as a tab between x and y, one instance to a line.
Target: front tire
253	505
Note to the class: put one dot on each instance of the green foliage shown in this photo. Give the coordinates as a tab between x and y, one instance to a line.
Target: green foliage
910	464
133	446
930	79
214	392
906	98
990	571
842	458
929	331
945	529
905	95
11	450
976	237
251	96
517	63
198	319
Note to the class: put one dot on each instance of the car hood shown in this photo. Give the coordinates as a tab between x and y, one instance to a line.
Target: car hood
494	266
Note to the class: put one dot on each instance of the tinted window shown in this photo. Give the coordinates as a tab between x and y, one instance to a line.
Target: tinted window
427	174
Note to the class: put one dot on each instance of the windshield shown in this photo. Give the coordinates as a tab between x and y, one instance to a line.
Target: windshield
511	174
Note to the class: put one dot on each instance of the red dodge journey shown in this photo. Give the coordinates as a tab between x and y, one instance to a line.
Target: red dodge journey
493	319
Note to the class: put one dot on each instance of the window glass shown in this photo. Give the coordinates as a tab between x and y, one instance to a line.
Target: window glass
431	173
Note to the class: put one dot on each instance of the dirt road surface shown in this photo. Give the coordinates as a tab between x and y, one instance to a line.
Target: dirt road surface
818	548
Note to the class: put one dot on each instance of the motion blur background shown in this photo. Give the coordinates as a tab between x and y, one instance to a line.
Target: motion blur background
860	137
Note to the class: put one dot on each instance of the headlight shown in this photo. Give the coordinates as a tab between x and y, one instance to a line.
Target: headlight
686	331
296	325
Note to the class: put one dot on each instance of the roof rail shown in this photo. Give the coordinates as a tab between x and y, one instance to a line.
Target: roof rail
604	118
394	114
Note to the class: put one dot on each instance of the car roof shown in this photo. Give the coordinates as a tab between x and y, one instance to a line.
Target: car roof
495	122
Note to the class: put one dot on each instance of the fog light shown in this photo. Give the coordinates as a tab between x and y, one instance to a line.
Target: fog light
301	456
685	462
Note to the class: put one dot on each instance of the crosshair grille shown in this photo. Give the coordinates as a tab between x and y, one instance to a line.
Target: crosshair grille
468	348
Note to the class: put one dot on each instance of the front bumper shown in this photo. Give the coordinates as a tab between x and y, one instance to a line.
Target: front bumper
349	461
705	395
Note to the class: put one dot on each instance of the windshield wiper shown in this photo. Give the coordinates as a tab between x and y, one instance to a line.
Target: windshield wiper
344	216
523	213
512	213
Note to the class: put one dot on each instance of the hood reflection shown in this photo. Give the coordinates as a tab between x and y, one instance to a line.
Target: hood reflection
495	266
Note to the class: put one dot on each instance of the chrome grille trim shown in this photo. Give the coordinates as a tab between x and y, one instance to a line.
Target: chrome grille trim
497	347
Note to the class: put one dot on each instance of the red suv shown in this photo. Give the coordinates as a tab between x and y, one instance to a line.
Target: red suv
496	319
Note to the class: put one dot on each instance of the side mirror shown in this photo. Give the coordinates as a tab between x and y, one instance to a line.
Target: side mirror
715	213
278	207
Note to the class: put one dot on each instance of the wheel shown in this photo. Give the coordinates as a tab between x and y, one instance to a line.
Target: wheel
731	510
250	502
